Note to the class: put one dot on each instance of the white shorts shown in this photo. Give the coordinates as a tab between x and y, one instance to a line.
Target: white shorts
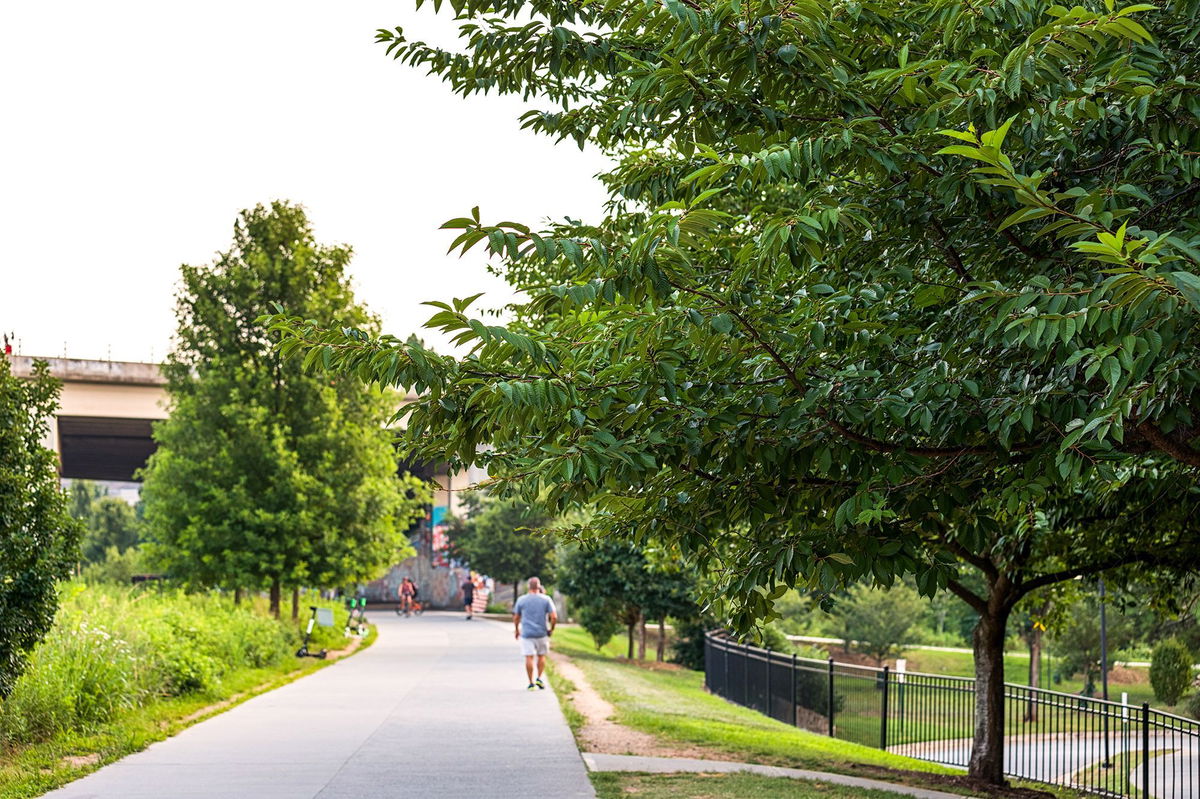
535	646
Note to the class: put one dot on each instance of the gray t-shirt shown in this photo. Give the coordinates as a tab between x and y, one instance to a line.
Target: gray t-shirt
533	609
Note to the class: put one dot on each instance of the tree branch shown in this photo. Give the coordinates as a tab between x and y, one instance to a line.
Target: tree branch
967	595
1179	450
978	561
1028	586
925	452
952	257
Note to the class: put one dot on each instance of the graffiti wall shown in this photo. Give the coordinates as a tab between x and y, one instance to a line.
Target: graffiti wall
439	585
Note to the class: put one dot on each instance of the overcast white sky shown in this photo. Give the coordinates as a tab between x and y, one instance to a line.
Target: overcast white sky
134	132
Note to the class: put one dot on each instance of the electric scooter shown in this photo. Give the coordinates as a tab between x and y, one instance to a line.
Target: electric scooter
358	606
303	652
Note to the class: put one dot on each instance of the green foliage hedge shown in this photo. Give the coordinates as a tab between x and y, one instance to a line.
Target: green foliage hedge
1170	671
114	648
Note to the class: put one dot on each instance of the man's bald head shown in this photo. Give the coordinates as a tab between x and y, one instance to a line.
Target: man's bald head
535	584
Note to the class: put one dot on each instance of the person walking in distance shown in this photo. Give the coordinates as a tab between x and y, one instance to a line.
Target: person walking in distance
534	619
468	593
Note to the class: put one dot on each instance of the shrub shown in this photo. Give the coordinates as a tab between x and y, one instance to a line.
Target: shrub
38	539
78	678
1170	671
878	620
1192	705
114	647
114	567
600	620
688	648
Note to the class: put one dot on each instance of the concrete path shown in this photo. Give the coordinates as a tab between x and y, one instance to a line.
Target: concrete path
437	707
672	765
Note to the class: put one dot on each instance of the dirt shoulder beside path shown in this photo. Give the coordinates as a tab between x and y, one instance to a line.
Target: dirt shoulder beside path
601	734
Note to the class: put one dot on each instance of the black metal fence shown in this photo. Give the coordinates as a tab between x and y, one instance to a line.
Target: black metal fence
1100	747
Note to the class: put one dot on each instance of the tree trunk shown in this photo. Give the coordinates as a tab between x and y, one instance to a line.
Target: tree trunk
987	752
237	596
629	630
662	638
641	636
275	597
1035	671
296	604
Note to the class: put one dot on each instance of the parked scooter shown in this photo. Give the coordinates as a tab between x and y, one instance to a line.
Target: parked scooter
303	652
356	622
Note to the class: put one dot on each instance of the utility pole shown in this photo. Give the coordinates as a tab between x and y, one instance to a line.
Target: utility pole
1104	673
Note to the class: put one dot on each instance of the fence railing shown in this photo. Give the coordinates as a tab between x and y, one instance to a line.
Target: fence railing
1091	745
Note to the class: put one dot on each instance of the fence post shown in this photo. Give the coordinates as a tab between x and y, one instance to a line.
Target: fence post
708	681
830	697
745	675
770	704
725	692
883	720
1145	749
794	719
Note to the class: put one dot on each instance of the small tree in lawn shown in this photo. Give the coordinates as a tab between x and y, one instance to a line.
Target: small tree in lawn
617	580
668	591
604	578
504	539
1075	641
39	540
1171	671
876	621
598	618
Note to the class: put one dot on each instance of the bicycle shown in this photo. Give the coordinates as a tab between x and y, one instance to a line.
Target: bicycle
415	608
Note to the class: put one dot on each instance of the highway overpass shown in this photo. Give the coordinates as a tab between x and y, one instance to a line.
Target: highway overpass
106	413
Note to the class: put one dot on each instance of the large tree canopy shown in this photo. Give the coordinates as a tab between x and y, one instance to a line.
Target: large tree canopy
266	476
883	288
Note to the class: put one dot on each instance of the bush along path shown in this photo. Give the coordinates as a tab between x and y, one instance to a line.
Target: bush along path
125	667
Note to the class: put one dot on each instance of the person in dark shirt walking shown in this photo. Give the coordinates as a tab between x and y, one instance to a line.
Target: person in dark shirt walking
468	592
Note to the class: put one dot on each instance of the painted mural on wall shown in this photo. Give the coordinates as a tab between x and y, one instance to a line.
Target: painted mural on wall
437	577
439	585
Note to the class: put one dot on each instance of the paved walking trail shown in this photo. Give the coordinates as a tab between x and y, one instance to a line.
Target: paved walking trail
437	707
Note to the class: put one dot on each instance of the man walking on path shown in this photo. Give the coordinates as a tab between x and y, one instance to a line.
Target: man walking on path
534	618
468	593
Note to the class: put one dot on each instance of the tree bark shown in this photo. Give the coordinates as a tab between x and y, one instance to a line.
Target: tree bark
295	604
662	638
987	752
641	636
275	597
1035	671
237	596
629	630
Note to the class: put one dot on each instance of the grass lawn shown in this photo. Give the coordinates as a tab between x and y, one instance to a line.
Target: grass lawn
612	785
34	769
673	705
1016	670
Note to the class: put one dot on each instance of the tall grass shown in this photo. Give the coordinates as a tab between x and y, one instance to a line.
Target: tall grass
115	648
